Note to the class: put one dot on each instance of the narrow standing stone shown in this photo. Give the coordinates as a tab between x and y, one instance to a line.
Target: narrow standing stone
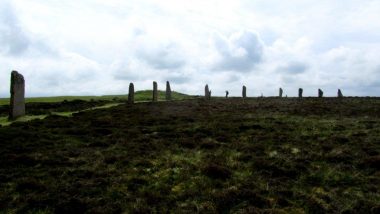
168	94
17	101
244	93
207	93
281	92
155	92
340	94
320	93
227	93
300	92
131	94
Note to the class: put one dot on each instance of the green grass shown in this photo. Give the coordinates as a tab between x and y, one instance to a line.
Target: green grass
139	96
5	122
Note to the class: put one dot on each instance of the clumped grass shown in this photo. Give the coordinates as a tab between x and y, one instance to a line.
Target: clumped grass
194	156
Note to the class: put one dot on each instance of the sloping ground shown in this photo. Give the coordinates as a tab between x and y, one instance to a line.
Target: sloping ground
224	156
139	96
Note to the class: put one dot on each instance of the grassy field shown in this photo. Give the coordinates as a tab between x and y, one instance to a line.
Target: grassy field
139	96
262	155
67	105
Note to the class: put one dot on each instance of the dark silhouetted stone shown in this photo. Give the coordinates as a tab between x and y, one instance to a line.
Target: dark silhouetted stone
155	92
320	93
168	94
280	92
17	101
207	93
300	92
340	94
131	93
227	93
244	93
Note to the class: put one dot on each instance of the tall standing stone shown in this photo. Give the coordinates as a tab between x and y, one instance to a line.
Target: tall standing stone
320	93
280	92
155	92
131	94
300	92
227	93
340	94
244	92
168	94
207	93
17	101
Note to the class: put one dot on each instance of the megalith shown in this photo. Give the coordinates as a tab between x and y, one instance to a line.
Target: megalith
131	94
17	101
300	92
227	93
244	92
207	93
155	92
320	93
340	94
280	92
168	94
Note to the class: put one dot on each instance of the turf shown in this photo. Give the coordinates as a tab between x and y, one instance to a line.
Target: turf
194	156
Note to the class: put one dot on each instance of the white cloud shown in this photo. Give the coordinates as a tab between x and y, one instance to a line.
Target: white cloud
241	52
98	47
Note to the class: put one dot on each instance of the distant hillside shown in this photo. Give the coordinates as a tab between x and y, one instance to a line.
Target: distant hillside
139	96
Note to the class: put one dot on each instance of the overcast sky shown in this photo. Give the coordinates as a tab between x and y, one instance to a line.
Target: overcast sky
96	47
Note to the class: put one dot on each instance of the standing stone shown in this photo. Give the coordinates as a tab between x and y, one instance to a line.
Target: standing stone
17	101
300	92
131	94
155	92
227	93
280	92
340	94
168	94
207	93
244	93
320	93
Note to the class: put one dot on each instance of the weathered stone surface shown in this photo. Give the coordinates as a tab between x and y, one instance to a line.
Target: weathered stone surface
17	101
340	94
300	92
131	93
168	94
227	93
320	93
155	92
207	93
244	92
280	92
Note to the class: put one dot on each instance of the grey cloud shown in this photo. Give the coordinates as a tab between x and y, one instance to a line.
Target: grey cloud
293	68
13	40
178	79
241	52
126	74
165	56
233	78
